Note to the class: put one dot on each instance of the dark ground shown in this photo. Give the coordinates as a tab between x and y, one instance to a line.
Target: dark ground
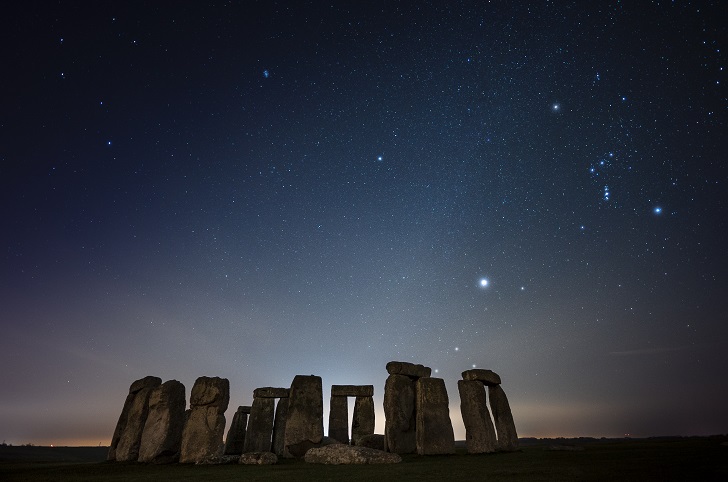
663	458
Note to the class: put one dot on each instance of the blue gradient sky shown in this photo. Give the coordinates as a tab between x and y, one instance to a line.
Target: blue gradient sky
277	188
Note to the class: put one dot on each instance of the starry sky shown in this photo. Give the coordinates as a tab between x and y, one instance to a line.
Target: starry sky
255	190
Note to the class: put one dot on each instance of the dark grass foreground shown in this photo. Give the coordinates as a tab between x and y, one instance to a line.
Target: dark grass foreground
629	460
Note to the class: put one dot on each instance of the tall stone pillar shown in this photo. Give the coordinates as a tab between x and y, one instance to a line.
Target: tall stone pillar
235	441
434	427
205	426
400	406
127	437
162	436
339	419
362	422
305	421
479	431
504	425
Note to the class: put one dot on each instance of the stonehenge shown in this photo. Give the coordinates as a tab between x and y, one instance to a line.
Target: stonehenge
480	434
203	432
235	440
305	418
288	422
127	437
362	423
261	426
434	434
162	435
400	413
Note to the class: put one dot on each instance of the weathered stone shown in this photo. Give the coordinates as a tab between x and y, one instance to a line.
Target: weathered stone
479	431
219	459
162	434
348	454
408	369
146	383
362	423
399	415
373	441
504	426
434	427
270	392
279	426
260	426
205	426
352	390
258	458
339	418
210	391
235	440
304	424
488	377
131	438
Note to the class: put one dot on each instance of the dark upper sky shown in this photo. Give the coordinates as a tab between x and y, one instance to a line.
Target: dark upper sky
277	188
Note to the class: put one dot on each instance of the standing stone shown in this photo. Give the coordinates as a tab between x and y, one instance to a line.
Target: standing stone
235	440
352	390
479	431
260	426
136	386
205	427
339	419
504	425
128	434
279	426
305	421
399	414
434	428
162	434
362	423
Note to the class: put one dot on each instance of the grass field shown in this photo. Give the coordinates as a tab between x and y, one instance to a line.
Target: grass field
703	459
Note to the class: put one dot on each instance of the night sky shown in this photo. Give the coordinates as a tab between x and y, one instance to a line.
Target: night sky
256	190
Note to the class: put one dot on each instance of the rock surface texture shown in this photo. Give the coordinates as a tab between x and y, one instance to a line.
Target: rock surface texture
504	426
362	423
479	431
434	427
399	415
259	434
162	436
337	454
305	420
205	426
258	458
488	377
235	440
126	441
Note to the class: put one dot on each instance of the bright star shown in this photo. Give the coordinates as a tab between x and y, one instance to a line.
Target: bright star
555	107
483	282
380	158
657	210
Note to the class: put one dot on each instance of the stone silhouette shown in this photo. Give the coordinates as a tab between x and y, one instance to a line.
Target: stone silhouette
260	425
363	420
362	423
479	432
235	440
304	423
127	436
203	432
400	406
504	426
434	432
279	426
162	436
480	435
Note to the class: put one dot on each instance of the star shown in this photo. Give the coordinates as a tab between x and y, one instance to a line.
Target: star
483	282
380	158
555	107
657	210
